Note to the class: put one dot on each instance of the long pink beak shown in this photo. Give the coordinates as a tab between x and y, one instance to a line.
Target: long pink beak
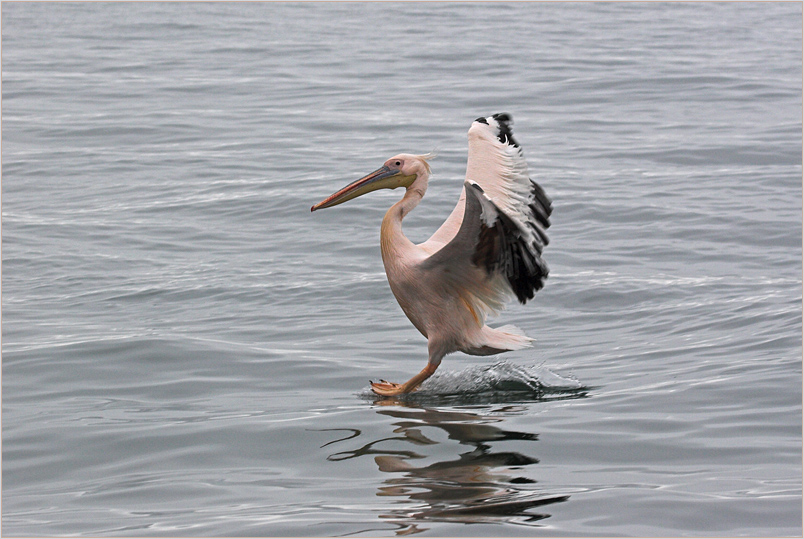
362	186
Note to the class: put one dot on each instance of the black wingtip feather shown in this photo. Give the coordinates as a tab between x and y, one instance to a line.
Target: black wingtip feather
538	194
505	135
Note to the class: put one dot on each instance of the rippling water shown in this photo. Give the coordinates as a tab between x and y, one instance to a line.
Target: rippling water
186	349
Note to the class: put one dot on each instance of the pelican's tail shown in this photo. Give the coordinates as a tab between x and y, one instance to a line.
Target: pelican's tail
502	339
511	337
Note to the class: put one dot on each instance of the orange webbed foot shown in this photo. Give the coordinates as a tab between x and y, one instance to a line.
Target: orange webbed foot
384	388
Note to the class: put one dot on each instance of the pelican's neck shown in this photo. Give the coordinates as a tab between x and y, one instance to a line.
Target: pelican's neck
393	243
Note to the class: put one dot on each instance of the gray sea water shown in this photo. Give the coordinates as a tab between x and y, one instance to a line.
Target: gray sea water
187	349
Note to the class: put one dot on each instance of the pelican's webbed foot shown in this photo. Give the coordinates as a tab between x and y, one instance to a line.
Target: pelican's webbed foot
390	389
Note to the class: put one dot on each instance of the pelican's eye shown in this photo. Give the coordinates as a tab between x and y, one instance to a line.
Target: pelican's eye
396	163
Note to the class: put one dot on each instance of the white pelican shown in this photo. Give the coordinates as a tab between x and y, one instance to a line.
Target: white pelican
487	251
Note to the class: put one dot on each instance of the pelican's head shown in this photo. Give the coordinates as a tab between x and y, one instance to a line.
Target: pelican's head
399	171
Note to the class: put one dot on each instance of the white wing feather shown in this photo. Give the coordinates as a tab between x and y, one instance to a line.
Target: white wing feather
497	164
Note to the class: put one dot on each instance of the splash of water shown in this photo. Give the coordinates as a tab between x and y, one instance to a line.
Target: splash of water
497	382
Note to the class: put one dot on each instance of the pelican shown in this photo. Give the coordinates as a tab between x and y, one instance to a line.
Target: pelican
487	251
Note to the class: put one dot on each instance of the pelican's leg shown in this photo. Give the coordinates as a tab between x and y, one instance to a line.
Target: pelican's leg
389	389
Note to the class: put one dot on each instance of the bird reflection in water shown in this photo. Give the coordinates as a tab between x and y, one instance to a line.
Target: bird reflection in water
481	485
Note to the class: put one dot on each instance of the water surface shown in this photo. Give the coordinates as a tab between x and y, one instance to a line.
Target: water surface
186	349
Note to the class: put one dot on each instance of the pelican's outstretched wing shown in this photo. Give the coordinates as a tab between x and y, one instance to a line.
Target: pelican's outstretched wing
496	163
491	257
496	234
